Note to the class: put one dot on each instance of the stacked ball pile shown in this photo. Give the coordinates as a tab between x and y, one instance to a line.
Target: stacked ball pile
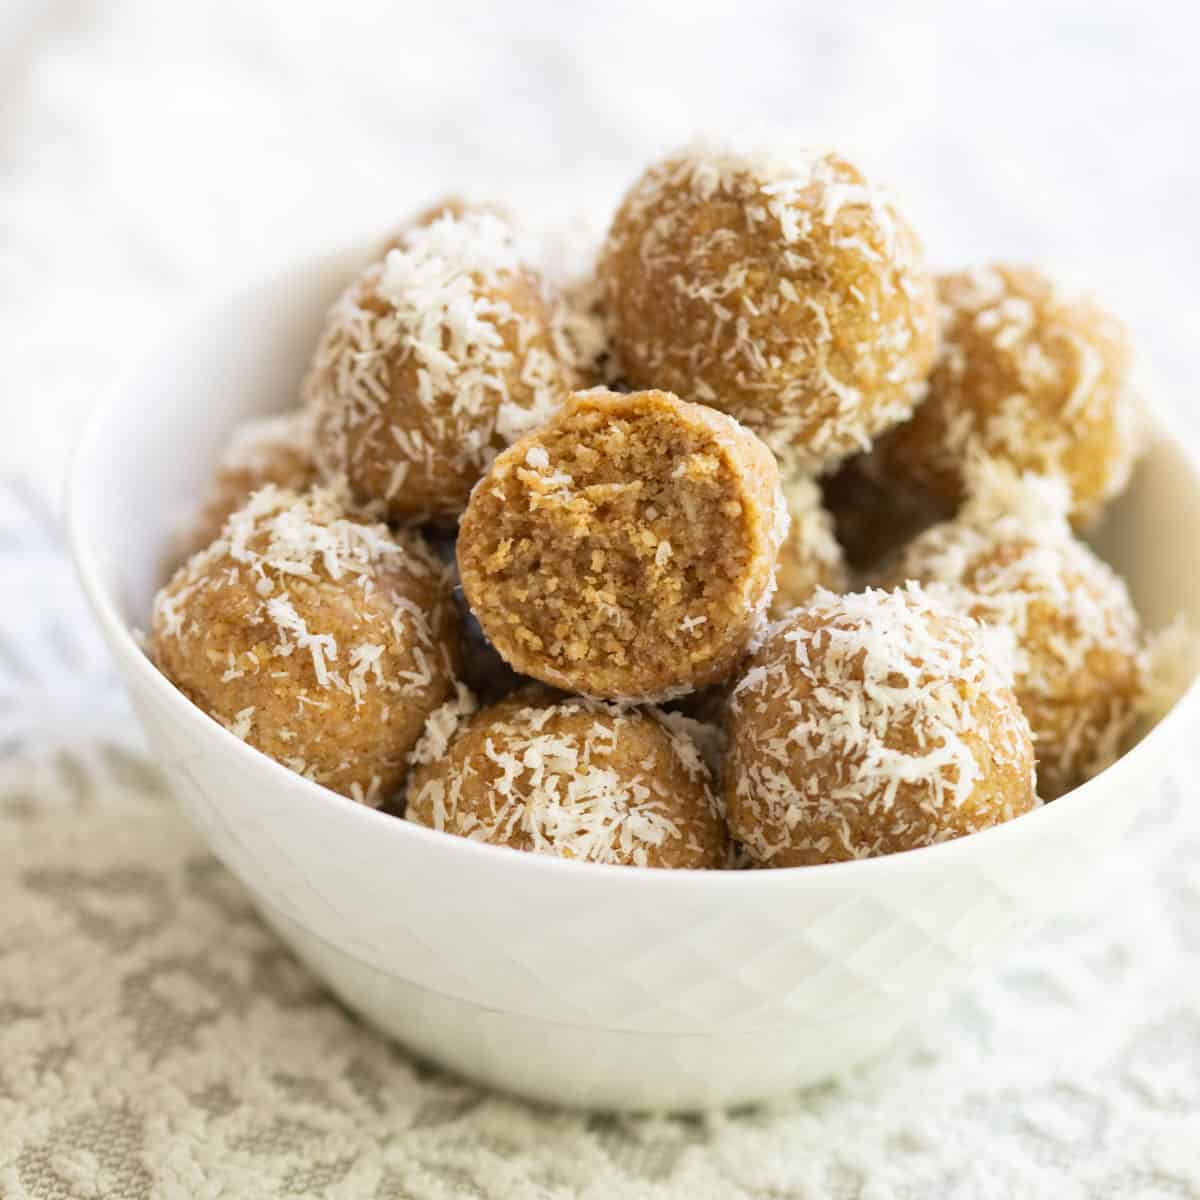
756	546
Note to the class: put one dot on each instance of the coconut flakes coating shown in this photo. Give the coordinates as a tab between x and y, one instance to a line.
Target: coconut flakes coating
1010	560
450	205
789	293
810	557
1171	665
627	549
571	777
276	449
433	360
1030	376
872	723
320	640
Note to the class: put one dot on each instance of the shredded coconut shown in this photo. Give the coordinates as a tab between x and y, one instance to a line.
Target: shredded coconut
1031	375
1011	561
557	784
772	353
882	688
1171	666
313	617
443	723
810	555
487	354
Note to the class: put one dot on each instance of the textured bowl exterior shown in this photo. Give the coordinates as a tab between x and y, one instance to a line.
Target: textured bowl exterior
586	985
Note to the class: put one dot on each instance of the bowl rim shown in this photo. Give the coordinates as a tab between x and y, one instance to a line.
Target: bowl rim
123	644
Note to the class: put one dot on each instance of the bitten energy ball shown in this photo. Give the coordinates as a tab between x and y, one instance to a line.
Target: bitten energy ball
789	293
627	549
810	557
872	723
275	449
1010	560
1031	377
571	777
432	361
319	640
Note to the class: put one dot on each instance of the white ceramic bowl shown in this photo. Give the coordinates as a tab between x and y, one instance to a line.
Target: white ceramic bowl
569	982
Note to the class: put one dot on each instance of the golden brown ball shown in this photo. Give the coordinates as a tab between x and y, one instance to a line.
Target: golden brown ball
872	723
571	777
433	360
627	549
318	639
1031	377
1010	560
788	292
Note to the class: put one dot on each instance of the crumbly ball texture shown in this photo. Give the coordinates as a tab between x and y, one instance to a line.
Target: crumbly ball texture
275	449
572	777
810	557
876	516
873	723
1029	376
626	550
1011	561
432	361
319	640
790	293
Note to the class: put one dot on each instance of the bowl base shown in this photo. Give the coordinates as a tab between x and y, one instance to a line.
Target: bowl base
584	1067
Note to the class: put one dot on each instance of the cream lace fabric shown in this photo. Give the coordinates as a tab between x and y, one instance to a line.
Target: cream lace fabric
156	1040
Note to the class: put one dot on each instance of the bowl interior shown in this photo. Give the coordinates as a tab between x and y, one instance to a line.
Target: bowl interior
149	453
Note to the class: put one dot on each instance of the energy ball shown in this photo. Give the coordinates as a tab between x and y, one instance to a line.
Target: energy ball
432	361
571	777
789	293
275	449
1010	560
810	557
318	639
626	550
872	723
1028	376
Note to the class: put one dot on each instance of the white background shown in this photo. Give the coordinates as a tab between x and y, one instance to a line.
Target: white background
154	151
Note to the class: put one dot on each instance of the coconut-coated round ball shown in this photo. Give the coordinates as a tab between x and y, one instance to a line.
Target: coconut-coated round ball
787	291
576	778
433	360
1078	639
872	723
1030	376
322	641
